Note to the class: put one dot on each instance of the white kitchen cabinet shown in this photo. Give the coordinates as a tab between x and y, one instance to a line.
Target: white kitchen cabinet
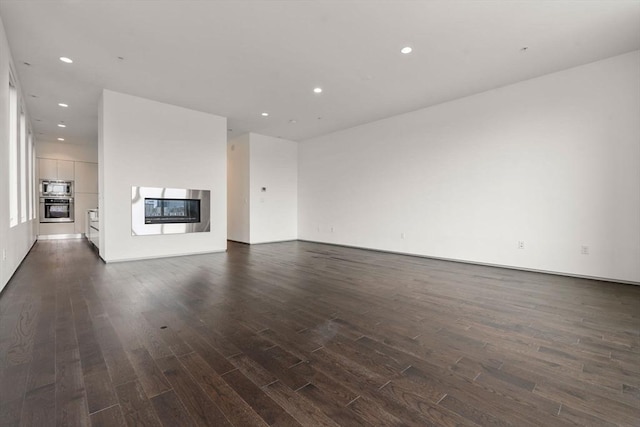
93	225
53	228
56	169
86	177
83	202
66	170
48	168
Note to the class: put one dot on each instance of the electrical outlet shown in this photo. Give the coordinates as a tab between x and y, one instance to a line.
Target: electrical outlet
4	254
584	250
520	244
332	229
402	235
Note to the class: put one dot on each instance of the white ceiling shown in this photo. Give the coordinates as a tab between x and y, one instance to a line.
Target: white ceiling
240	58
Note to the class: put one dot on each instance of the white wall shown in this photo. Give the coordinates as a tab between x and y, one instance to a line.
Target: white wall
256	162
151	144
15	242
553	161
238	189
274	166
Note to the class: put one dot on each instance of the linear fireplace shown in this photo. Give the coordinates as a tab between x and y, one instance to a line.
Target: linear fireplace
156	210
171	211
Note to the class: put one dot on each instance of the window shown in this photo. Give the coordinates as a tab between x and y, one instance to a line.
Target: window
32	173
24	177
13	155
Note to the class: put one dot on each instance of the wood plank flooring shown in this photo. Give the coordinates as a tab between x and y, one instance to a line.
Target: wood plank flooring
299	333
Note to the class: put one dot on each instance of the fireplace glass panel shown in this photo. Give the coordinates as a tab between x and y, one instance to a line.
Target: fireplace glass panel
171	211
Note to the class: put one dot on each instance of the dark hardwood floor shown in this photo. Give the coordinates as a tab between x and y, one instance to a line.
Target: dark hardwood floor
307	334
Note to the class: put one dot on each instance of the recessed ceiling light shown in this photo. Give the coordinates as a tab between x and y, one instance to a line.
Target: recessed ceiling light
62	104
265	114
60	139
293	121
524	49
65	59
61	125
406	50
317	90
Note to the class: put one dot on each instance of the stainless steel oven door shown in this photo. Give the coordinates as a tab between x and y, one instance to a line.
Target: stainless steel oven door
58	209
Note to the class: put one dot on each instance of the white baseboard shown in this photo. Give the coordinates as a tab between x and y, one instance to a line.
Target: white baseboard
161	256
510	267
60	236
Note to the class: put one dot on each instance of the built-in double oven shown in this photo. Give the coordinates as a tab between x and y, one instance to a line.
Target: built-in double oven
56	201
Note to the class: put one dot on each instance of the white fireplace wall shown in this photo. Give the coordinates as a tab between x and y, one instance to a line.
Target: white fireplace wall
152	144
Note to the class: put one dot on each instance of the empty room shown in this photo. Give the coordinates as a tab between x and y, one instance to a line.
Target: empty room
319	213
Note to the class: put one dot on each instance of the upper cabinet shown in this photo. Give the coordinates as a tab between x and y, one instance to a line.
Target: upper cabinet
56	169
86	180
48	168
66	170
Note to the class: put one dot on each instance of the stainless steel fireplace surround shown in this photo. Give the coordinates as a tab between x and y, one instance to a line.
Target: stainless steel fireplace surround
157	210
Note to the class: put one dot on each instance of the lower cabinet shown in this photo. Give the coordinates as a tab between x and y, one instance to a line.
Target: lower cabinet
92	228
